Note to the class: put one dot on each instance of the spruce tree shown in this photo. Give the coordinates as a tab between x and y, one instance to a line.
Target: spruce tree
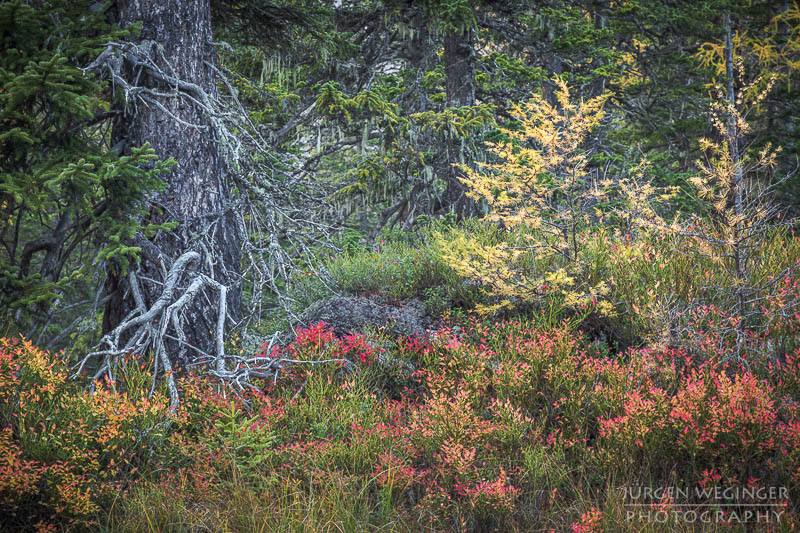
69	200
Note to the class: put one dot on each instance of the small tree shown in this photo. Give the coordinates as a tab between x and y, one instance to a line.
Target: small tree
544	195
68	201
740	215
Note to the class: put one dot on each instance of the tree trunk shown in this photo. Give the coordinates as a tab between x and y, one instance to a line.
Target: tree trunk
176	36
737	188
460	85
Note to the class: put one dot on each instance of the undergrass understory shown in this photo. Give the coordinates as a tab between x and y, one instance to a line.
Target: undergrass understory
656	417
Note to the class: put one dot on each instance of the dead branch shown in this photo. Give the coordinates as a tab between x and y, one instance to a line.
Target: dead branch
275	215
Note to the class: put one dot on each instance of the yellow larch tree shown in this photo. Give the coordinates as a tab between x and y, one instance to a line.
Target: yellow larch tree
543	195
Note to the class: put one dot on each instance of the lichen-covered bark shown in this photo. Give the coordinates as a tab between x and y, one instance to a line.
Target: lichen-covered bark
176	34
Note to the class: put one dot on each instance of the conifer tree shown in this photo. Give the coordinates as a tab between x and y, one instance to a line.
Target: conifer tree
171	59
69	201
739	213
542	192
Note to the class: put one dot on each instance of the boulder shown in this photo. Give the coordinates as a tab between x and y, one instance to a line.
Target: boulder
352	313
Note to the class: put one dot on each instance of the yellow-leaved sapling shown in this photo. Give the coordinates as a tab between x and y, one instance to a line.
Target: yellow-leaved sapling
545	196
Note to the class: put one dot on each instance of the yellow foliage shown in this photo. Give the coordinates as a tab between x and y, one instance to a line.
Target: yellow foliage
543	168
774	48
717	183
737	189
544	196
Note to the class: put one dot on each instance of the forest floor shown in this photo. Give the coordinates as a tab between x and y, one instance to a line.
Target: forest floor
543	419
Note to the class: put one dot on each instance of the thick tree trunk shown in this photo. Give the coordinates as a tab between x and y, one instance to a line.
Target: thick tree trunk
176	35
459	68
460	86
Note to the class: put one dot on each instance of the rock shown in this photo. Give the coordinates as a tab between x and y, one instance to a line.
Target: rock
346	314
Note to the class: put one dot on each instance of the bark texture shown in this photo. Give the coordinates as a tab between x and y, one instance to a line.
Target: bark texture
176	35
460	91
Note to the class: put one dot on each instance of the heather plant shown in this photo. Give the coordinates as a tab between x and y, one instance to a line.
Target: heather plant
503	425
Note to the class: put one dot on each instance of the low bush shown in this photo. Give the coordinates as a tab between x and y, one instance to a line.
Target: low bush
66	454
486	426
503	426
